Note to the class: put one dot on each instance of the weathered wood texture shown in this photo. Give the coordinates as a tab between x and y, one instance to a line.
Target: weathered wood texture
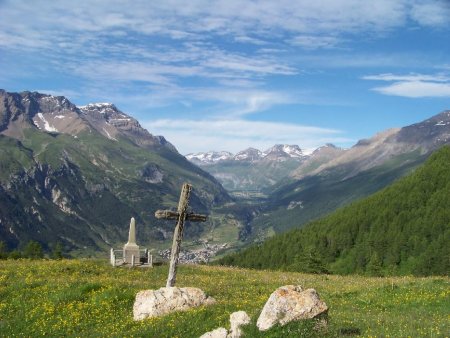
190	216
181	216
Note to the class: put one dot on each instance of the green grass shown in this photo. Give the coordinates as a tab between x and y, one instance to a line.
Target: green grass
87	298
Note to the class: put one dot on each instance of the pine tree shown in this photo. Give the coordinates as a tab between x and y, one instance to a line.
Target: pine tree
3	250
374	267
57	252
33	250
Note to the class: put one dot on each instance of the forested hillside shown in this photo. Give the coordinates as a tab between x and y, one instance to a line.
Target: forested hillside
403	229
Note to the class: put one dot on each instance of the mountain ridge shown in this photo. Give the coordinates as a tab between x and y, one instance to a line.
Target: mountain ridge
278	152
401	229
76	175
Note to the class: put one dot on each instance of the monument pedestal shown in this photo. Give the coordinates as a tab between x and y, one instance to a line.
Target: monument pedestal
130	250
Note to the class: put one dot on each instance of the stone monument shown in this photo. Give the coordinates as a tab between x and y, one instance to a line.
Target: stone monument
131	249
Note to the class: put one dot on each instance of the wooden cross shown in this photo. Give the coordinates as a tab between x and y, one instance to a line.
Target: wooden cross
181	215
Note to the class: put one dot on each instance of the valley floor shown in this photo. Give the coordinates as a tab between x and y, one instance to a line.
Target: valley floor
89	298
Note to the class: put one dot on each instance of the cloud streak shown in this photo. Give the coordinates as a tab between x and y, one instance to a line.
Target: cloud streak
416	89
191	20
413	85
236	135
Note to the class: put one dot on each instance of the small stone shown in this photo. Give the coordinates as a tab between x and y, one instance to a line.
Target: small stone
154	303
217	333
289	303
238	319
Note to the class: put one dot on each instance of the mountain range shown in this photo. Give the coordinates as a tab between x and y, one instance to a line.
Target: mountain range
76	175
323	183
250	169
278	152
303	188
402	229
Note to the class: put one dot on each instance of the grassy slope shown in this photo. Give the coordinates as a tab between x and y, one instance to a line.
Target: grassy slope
90	298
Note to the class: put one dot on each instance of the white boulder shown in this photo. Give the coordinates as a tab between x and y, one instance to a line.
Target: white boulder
238	319
154	303
289	303
217	333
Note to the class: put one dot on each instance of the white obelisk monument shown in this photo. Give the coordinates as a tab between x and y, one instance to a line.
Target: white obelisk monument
131	248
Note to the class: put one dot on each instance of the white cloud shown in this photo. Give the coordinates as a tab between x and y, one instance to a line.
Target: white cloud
242	64
134	71
247	39
315	42
227	101
413	85
190	20
415	89
235	135
410	77
431	13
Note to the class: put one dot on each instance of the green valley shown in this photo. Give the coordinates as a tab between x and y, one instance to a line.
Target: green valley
403	229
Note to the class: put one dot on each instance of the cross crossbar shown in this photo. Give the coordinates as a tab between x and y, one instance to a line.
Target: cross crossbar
190	216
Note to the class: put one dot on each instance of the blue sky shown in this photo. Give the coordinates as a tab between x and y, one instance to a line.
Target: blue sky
227	75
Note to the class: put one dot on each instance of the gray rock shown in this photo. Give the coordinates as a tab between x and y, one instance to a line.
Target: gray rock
217	333
154	303
238	319
289	303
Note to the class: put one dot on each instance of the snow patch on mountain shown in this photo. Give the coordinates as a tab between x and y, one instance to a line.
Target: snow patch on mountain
284	151
279	152
46	124
250	154
210	157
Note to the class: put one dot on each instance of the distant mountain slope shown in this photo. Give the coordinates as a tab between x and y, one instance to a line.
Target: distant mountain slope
250	169
424	136
402	229
76	175
320	187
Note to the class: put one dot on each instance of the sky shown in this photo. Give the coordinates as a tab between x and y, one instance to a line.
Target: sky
228	75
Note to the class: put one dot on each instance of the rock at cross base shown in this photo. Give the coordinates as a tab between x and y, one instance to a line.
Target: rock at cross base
217	333
238	319
154	303
289	303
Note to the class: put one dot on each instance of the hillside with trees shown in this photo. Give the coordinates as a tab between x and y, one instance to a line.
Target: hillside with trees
403	229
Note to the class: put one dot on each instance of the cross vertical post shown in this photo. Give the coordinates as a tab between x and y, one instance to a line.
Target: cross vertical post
178	234
181	216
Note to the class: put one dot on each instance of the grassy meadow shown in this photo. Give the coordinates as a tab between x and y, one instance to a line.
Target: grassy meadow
89	298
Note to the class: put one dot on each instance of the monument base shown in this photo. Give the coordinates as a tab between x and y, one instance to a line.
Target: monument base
129	251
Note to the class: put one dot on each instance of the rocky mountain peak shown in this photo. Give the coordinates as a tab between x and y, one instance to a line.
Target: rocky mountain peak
432	132
283	151
56	114
112	123
19	111
50	102
249	154
109	113
209	157
279	152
